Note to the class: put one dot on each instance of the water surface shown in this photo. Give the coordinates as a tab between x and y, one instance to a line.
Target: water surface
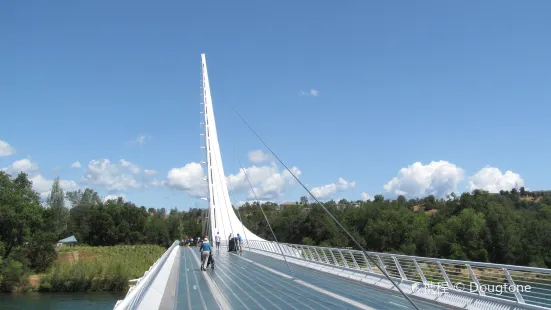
60	301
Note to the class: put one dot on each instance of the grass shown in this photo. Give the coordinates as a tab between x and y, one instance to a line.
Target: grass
108	268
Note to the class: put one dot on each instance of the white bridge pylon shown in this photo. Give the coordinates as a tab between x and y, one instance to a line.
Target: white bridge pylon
222	217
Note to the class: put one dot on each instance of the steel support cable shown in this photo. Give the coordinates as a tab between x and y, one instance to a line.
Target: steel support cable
239	213
327	211
243	226
266	218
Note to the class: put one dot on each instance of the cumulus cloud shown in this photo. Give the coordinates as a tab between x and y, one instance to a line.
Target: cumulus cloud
259	156
130	166
267	181
188	179
329	190
104	173
6	149
22	165
492	180
149	172
437	178
43	186
140	140
312	92
40	183
76	164
113	197
366	196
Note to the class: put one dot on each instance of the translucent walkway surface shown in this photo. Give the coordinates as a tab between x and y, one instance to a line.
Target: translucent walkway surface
241	284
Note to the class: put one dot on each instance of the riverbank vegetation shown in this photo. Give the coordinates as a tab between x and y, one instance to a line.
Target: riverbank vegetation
30	228
101	268
510	227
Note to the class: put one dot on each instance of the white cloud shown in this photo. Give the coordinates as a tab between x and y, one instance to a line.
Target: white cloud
312	92
113	197
329	190
22	165
141	140
267	181
104	173
259	156
43	186
366	196
492	180
438	178
155	183
40	183
149	173
76	164
6	149
130	166
188	179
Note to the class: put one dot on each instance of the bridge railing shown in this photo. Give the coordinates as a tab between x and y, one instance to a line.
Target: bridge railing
137	291
527	287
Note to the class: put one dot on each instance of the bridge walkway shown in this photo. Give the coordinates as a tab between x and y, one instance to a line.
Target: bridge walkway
245	285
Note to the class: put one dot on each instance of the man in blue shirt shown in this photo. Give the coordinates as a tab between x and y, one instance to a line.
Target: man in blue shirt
240	243
205	253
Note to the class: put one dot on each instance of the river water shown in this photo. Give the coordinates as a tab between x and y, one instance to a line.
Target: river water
60	301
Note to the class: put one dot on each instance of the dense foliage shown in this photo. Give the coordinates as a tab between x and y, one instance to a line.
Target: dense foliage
29	230
510	228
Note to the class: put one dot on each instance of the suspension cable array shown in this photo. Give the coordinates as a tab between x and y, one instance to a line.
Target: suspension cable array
238	213
266	218
319	203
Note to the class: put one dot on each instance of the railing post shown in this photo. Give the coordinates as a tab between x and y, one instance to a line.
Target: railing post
309	255
475	279
304	255
318	254
355	262
520	300
381	264
420	271
367	263
345	263
399	267
289	249
325	256
334	258
445	275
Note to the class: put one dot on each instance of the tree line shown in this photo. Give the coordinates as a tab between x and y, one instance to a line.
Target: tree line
30	229
511	227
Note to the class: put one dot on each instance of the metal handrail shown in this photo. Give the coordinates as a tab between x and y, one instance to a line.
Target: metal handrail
434	274
135	293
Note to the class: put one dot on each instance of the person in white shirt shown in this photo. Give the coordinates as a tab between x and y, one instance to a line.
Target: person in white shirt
217	239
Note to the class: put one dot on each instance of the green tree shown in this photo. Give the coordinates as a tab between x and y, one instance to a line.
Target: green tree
58	212
20	211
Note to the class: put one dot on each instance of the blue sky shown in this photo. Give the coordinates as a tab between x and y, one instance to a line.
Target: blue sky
464	84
